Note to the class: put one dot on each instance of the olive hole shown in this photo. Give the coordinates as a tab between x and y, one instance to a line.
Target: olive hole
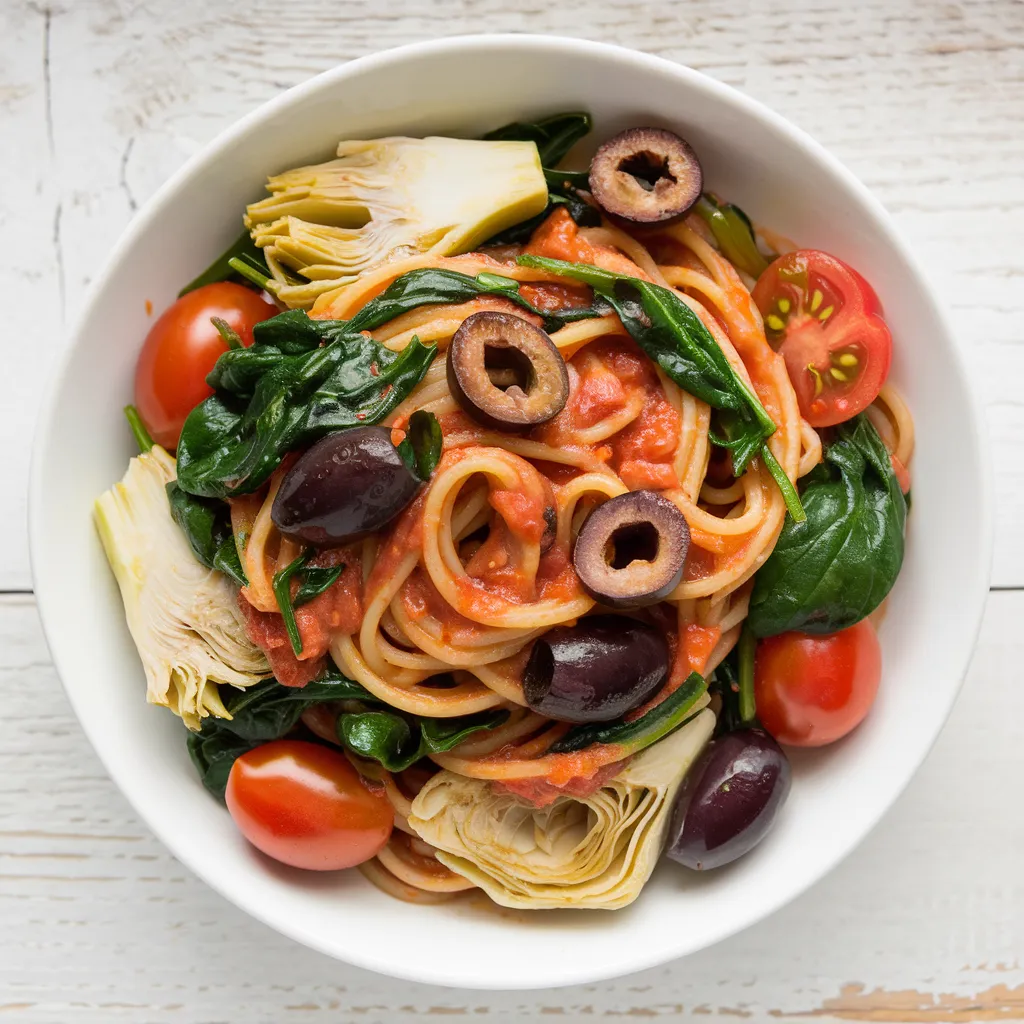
637	542
508	367
647	168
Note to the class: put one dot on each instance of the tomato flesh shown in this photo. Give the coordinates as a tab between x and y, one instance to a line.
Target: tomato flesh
181	348
826	321
305	805
812	689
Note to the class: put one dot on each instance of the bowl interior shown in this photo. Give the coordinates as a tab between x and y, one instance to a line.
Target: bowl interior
782	179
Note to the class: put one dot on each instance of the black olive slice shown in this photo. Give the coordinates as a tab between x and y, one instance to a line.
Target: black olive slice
632	549
595	671
505	373
646	175
348	485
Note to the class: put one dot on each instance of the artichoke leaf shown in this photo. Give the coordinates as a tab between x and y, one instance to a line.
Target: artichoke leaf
595	852
385	199
183	617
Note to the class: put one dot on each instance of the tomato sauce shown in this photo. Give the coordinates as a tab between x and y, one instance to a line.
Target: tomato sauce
542	792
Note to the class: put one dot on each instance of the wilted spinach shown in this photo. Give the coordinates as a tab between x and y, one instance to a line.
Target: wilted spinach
271	401
421	447
313	580
398	741
836	568
264	712
674	337
642	732
206	523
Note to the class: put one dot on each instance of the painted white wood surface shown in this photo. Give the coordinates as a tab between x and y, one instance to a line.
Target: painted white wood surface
100	101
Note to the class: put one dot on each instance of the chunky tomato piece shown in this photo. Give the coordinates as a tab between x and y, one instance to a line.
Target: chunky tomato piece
181	348
305	805
826	321
813	689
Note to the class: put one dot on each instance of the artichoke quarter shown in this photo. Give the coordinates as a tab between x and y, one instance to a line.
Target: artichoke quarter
595	852
385	199
183	617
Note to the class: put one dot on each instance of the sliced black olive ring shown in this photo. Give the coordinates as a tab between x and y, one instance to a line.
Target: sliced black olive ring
632	550
505	373
646	175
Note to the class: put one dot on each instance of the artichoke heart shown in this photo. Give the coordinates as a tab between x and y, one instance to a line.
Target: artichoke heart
595	852
183	617
383	199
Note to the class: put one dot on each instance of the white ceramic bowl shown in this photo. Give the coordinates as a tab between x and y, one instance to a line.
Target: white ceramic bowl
466	86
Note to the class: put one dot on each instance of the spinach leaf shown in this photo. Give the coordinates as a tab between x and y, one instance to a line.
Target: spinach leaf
206	523
836	568
230	445
398	741
264	712
313	581
554	136
433	286
242	249
421	448
734	234
642	732
673	336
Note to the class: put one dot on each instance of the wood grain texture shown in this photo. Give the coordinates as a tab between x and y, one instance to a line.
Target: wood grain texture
100	100
98	923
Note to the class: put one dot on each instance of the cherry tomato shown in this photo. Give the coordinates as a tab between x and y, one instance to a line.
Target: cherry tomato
812	689
826	321
305	805
181	348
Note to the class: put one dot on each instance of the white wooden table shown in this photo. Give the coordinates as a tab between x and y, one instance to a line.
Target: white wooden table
101	101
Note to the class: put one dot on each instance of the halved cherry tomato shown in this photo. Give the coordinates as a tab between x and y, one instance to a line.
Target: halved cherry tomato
181	348
305	805
826	321
812	689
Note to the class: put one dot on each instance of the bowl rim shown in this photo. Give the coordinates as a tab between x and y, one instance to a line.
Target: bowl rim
633	957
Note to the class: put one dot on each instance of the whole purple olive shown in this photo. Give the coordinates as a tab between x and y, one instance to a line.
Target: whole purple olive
728	800
349	484
595	671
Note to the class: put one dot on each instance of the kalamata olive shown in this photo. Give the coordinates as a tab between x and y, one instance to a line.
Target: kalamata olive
632	549
346	486
646	175
728	800
505	373
595	671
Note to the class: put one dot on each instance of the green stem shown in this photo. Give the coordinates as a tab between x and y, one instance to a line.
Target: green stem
789	492
142	438
249	272
283	593
227	332
747	648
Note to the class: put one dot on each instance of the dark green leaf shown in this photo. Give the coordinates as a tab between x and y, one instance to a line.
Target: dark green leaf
554	136
398	741
283	593
251	270
831	571
220	269
421	447
733	233
314	580
264	712
746	649
138	428
644	731
206	523
230	446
